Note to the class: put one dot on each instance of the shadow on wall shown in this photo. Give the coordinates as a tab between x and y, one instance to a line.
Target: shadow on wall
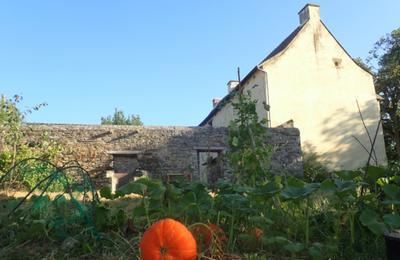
346	142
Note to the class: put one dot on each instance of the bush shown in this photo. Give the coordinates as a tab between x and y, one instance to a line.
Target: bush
314	169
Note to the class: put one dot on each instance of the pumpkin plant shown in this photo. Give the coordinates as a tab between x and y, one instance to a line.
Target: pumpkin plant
168	239
206	233
211	239
257	233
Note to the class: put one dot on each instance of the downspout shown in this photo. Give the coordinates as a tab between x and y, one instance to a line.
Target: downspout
266	96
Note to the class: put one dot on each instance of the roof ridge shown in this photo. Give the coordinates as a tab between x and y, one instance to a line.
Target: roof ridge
283	44
274	52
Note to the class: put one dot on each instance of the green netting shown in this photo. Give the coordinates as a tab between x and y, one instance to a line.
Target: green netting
63	196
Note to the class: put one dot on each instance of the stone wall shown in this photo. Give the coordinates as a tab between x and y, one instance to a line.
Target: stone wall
158	150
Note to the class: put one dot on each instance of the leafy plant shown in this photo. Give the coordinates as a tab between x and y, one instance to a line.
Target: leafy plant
248	154
16	149
314	169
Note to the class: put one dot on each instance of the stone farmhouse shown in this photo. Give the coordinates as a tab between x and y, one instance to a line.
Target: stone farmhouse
310	80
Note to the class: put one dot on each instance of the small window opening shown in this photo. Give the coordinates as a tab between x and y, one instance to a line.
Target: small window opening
337	62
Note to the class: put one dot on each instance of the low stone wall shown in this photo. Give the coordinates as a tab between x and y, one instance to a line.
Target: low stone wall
158	150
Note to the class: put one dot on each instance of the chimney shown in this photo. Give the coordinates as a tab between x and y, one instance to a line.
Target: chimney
309	12
232	84
215	102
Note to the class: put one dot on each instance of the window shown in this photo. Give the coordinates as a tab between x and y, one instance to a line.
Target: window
337	62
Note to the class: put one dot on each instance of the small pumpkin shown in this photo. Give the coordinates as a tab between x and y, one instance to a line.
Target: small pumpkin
257	233
168	239
204	234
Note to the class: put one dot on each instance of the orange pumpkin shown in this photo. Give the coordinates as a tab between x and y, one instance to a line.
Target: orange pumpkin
168	239
257	233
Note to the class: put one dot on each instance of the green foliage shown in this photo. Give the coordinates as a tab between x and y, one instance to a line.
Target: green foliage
314	169
360	62
16	149
386	57
10	119
10	131
248	154
332	219
119	118
46	217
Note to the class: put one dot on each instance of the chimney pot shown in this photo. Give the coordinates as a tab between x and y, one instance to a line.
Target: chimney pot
232	84
310	12
215	102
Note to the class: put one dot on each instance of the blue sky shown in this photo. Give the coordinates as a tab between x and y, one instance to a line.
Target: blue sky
163	60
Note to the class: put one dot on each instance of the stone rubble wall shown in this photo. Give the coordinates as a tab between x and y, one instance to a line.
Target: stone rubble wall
162	150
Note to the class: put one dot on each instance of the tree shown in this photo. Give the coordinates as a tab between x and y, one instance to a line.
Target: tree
363	64
119	119
15	148
11	120
10	124
386	56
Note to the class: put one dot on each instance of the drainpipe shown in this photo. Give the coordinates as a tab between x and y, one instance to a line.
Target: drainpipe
266	97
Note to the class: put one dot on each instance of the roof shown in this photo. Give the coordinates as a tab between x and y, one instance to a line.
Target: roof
348	54
283	44
276	51
281	47
223	101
